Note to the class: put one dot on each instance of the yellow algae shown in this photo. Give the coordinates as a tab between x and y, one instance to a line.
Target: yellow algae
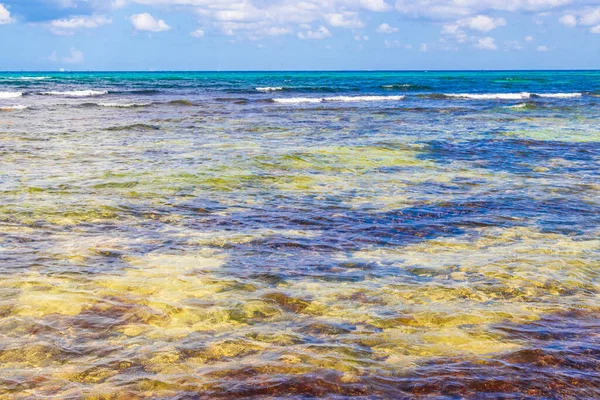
226	238
37	354
351	158
219	351
30	214
167	289
40	303
560	134
124	273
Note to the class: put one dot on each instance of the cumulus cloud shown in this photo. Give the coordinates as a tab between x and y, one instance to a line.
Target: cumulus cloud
463	21
199	33
253	18
75	57
319	34
344	20
68	25
568	20
513	45
587	17
447	9
390	44
542	48
386	29
5	16
486	43
482	23
374	5
146	22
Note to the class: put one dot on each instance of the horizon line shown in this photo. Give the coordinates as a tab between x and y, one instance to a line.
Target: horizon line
299	70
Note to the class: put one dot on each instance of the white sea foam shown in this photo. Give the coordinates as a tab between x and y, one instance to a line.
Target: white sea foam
490	96
299	100
13	108
10	95
29	78
512	96
560	95
77	93
346	99
340	99
269	89
123	105
520	105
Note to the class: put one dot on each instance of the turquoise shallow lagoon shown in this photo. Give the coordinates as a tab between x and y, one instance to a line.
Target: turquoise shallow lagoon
300	235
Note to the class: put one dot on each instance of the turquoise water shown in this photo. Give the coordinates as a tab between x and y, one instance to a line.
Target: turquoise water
299	235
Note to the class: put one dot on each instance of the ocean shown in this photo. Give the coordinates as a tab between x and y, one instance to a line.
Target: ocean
177	235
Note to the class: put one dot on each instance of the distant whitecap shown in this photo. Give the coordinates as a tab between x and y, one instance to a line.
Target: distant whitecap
10	95
13	108
338	99
77	93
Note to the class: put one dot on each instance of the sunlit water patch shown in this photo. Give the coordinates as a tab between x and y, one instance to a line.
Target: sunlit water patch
173	238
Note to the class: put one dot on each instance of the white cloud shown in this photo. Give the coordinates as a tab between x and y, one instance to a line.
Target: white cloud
146	22
514	45
276	31
199	33
67	26
481	23
92	21
386	29
529	38
5	16
252	18
423	48
257	19
389	44
486	43
587	16
344	20
595	29
118	4
542	48
590	16
455	30
447	9
75	57
568	20
320	33
374	5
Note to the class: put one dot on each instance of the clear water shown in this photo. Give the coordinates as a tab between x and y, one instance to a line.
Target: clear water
376	235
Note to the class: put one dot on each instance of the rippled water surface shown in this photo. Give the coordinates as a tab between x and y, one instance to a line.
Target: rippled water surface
298	235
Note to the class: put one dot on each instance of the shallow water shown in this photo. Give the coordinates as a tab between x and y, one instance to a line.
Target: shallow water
184	235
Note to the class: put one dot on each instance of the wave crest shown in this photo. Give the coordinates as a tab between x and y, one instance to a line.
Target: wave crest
10	95
13	108
502	96
269	89
124	105
337	99
76	93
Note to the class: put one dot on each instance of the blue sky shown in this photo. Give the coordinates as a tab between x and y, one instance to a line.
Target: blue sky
298	34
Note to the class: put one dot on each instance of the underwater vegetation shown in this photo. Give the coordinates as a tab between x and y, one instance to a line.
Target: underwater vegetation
243	249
